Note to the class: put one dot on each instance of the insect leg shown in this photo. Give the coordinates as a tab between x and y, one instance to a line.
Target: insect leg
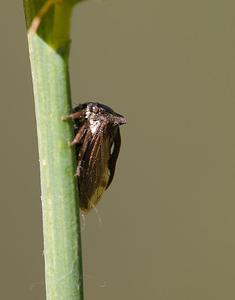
79	135
78	114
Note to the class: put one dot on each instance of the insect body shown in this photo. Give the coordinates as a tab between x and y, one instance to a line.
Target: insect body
98	141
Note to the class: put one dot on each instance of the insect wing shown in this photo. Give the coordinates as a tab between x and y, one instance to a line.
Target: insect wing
95	171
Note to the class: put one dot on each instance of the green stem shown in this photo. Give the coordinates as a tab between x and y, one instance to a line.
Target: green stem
49	50
61	29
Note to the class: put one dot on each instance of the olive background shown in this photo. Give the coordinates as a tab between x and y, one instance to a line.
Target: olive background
168	219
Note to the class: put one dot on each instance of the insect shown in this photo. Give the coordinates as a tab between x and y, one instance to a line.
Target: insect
97	141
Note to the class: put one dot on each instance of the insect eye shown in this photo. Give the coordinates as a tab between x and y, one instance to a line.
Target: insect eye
95	109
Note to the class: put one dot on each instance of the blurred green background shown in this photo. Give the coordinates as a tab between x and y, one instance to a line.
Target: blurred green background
168	219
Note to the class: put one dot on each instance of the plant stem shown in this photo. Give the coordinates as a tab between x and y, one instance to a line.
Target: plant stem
49	50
